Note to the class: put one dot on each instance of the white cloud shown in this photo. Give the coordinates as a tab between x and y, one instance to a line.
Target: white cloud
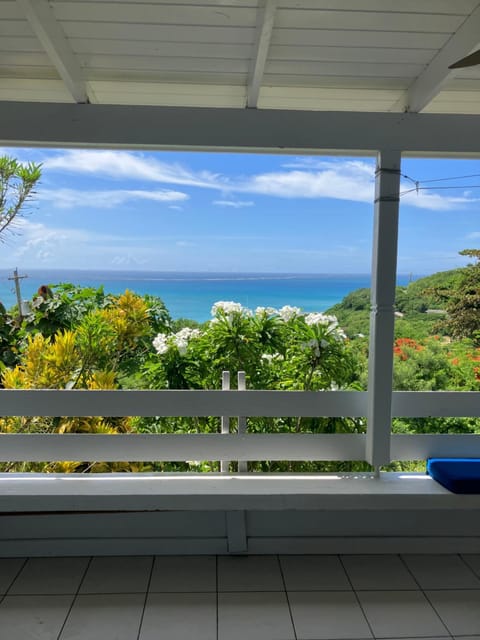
69	198
304	177
125	164
184	243
474	235
236	204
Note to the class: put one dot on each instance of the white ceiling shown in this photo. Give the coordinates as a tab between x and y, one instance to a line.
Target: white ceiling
328	55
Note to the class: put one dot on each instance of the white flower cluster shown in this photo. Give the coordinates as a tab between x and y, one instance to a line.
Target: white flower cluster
229	308
321	318
180	340
287	312
266	311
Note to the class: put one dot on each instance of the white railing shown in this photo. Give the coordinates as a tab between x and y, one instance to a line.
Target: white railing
228	446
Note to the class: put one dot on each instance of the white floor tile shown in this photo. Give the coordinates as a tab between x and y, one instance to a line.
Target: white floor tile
33	617
400	614
441	572
324	615
378	572
254	616
114	616
249	573
117	575
180	616
305	573
473	561
9	567
184	574
47	576
460	610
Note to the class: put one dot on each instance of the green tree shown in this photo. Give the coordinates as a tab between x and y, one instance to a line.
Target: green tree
463	306
17	183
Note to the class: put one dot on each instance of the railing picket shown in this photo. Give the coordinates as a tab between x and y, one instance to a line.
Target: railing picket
225	420
242	420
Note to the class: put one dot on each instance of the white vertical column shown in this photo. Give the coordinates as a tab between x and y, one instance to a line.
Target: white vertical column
382	316
242	420
225	420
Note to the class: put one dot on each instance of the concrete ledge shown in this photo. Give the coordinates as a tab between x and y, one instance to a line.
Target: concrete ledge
35	493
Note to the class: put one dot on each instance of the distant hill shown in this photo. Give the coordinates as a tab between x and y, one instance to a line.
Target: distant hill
412	301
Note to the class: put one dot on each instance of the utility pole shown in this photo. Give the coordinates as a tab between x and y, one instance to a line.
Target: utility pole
16	278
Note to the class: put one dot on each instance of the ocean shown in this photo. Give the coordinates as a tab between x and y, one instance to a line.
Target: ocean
191	295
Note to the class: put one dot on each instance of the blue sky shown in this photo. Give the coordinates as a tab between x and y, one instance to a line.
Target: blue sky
178	211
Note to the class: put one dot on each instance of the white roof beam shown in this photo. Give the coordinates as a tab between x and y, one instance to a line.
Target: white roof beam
228	129
266	19
49	32
430	81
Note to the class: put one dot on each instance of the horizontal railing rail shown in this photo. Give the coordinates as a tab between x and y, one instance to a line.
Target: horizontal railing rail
250	446
188	403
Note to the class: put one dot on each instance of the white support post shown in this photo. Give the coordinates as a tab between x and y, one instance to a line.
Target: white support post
242	420
382	316
225	420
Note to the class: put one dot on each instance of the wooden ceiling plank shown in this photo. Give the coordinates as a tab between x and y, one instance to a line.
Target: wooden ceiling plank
431	80
50	34
266	19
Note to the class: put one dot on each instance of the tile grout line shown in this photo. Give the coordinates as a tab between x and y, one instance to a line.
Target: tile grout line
147	591
288	599
356	595
59	637
402	559
25	560
469	567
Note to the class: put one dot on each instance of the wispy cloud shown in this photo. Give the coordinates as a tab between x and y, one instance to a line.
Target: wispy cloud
134	166
236	204
185	244
305	177
69	198
475	235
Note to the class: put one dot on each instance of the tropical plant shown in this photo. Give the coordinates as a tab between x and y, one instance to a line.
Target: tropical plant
17	184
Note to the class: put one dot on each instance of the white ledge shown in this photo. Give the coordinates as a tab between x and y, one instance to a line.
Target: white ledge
178	492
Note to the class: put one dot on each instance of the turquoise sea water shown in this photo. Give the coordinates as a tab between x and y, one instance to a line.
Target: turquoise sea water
191	295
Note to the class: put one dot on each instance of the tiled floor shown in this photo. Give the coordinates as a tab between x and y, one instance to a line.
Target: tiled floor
235	597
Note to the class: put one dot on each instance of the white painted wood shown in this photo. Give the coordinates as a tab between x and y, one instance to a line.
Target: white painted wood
265	22
406	6
123	31
171	447
158	492
242	465
154	48
18	43
89	62
358	38
51	402
116	546
423	446
50	34
236	531
431	80
314	68
419	404
35	90
267	403
367	20
365	545
154	13
349	53
235	129
225	420
382	319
